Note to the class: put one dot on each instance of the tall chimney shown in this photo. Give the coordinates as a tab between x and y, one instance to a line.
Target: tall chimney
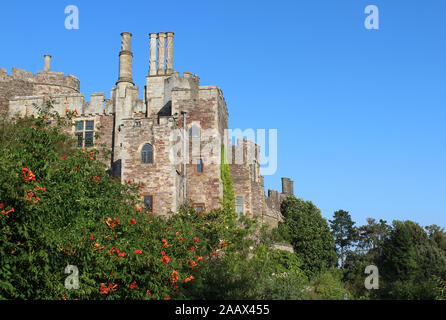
47	62
161	52
125	59
152	59
287	186
169	53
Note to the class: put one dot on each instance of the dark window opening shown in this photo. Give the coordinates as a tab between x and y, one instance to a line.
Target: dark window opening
148	203
200	166
147	153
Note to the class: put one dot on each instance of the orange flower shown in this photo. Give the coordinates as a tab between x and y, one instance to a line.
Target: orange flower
104	290
28	175
6	212
167	298
192	264
98	247
120	254
223	244
174	276
165	259
133	285
189	278
200	258
112	287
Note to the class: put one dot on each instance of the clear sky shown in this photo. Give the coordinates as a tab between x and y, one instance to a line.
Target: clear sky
360	113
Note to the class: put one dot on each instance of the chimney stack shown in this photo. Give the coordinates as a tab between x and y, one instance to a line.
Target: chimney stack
169	53
47	62
287	186
161	52
125	59
152	58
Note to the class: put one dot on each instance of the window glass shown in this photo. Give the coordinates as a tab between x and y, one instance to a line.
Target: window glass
199	165
89	125
194	131
79	126
88	139
148	203
84	133
239	206
147	154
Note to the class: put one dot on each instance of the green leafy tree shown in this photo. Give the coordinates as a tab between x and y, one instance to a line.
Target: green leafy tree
309	233
344	233
409	263
371	237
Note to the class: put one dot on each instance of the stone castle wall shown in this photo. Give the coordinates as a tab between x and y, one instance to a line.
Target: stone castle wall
24	83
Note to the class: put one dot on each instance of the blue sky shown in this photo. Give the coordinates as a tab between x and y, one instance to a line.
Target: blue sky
360	113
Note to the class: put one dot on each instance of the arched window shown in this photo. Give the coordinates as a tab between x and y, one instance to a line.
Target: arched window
147	153
194	131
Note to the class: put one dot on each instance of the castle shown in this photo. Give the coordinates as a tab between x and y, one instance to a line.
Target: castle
141	133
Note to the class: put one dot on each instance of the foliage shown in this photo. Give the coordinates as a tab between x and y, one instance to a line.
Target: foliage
228	187
344	233
328	286
309	234
409	262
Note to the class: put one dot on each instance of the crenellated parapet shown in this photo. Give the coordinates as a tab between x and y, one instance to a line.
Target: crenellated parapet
26	105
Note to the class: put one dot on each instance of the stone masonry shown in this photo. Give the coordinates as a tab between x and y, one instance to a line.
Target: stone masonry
145	137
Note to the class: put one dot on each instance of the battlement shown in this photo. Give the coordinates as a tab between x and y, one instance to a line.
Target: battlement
25	105
43	82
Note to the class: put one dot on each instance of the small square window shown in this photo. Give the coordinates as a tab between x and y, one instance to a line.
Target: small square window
79	126
89	125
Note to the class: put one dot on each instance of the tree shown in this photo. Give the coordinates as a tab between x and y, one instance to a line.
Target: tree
309	233
344	233
411	263
371	237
